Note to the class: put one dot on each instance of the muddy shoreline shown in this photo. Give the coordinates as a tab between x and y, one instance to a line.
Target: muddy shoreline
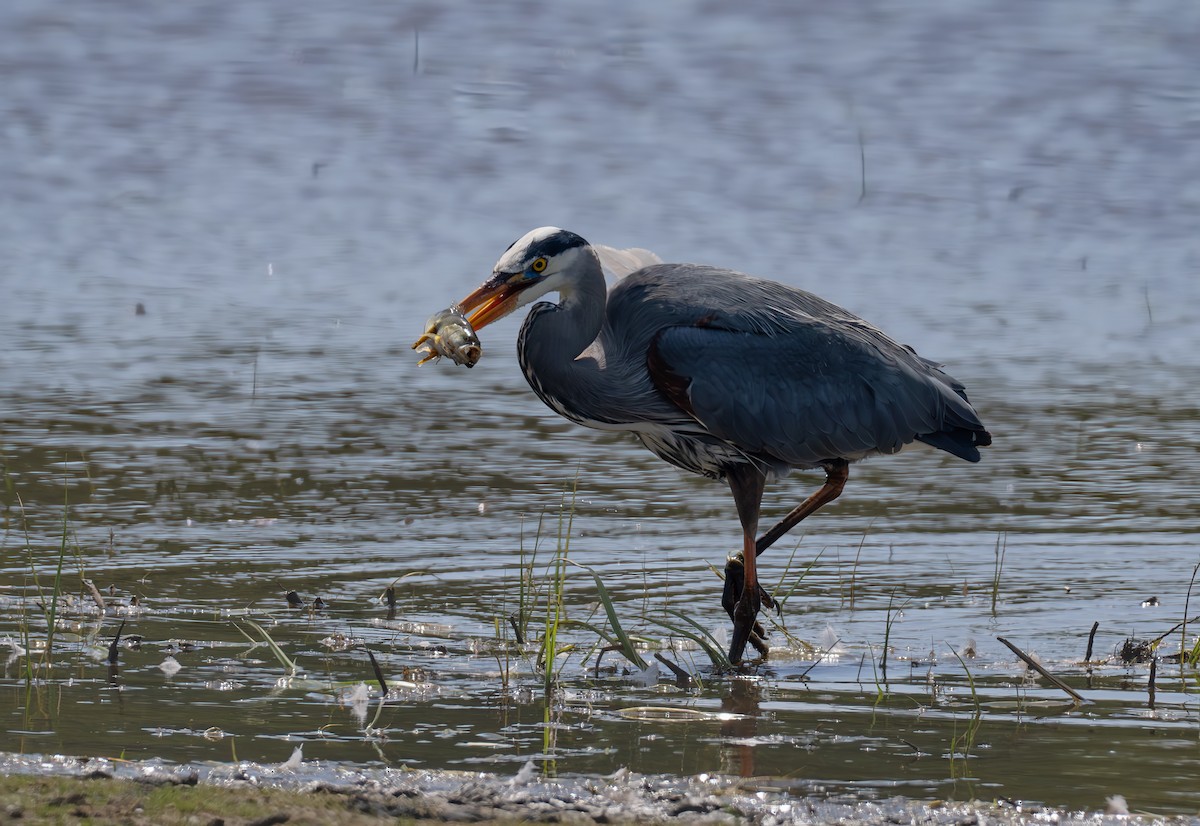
102	790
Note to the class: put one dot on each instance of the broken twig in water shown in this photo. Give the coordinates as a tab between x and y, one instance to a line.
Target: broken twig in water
1087	658
1039	668
1150	686
680	675
96	597
378	672
113	650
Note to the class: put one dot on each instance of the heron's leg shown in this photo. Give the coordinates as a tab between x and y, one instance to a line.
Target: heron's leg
746	483
836	473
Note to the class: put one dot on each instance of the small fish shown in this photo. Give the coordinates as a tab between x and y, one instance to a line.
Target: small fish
448	333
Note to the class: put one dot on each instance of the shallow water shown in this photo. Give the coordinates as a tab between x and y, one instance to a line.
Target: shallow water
289	192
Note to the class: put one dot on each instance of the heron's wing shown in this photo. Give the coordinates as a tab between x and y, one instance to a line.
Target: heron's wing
619	263
813	393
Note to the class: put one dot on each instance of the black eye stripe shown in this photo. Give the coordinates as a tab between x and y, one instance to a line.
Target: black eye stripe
558	242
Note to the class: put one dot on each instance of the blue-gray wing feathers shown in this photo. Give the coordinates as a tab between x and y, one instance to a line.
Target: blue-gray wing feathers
783	374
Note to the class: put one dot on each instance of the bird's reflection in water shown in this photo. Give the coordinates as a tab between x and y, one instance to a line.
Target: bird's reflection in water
740	730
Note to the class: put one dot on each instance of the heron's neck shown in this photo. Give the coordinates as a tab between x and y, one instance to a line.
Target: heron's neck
553	337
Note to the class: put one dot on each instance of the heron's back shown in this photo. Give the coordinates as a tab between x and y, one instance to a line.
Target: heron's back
781	374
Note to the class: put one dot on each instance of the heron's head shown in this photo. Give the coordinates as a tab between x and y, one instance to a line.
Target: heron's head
537	263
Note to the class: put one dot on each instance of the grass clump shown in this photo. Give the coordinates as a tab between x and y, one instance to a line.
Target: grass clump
962	744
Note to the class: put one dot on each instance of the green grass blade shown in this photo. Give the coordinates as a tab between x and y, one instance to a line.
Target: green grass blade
715	655
704	639
786	595
283	658
595	629
627	648
253	642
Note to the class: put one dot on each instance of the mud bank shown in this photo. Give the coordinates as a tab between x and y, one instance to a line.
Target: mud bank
50	788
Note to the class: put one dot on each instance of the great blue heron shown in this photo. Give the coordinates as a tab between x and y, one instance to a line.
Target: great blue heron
722	374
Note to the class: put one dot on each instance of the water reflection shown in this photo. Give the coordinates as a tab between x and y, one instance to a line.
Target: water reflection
739	732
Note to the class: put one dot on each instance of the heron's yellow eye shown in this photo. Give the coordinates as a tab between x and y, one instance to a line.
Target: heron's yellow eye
539	265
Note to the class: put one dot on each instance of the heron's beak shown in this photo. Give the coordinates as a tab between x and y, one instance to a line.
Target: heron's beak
495	298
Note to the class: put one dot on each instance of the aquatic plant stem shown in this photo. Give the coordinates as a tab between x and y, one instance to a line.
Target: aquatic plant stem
554	600
854	570
782	600
887	633
968	737
1186	603
1001	548
52	617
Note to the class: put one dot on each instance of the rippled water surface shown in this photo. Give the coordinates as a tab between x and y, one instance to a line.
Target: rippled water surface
288	190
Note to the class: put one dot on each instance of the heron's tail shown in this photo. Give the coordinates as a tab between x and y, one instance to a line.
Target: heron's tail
963	442
961	432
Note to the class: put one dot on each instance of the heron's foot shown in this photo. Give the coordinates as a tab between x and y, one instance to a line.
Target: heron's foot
746	628
743	610
735	580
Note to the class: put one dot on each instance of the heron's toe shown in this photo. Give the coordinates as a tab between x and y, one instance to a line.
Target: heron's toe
748	607
758	642
735	578
769	601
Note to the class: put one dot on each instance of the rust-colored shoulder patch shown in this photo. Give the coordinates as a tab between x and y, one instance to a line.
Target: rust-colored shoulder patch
671	384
